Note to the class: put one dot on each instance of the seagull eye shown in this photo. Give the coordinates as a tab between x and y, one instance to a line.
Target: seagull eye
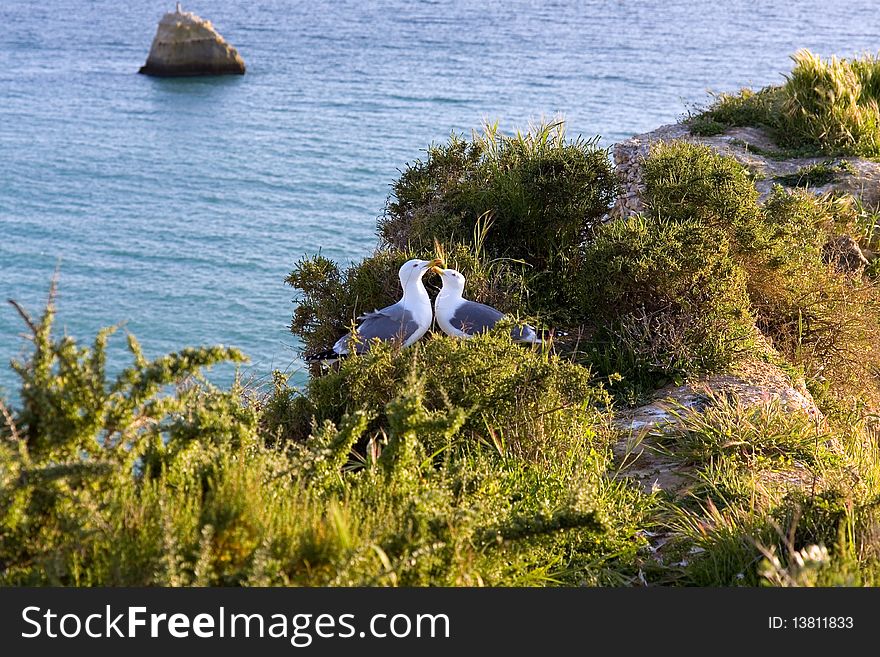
416	265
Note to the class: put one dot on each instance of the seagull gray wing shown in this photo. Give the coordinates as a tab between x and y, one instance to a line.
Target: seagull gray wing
472	317
391	323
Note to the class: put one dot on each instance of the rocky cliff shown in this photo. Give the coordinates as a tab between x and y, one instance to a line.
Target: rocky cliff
753	148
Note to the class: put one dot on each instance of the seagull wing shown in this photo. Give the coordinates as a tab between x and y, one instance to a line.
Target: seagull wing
391	323
472	318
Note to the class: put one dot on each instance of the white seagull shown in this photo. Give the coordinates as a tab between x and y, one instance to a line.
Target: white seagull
461	318
405	321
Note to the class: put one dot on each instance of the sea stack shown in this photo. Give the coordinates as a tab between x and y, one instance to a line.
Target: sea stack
186	44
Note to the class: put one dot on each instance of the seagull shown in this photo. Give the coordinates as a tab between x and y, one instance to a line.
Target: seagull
405	321
461	318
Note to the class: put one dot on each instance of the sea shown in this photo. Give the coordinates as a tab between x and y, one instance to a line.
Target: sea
175	208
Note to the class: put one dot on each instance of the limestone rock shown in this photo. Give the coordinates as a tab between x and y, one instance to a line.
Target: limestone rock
750	384
186	44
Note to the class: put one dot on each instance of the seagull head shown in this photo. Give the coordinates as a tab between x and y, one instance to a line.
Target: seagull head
453	280
412	271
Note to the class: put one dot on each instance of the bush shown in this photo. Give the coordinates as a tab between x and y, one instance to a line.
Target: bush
511	213
781	499
532	197
543	193
668	296
685	181
821	321
797	223
678	292
748	436
521	400
78	438
330	299
826	323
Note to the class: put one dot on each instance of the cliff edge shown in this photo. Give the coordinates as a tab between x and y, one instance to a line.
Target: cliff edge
754	148
186	44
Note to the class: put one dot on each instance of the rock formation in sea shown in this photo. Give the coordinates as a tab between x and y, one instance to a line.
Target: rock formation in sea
186	44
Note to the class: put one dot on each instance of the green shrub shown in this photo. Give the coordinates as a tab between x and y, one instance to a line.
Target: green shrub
685	181
795	225
531	198
691	181
515	398
825	322
668	296
69	409
867	70
285	413
330	300
820	320
543	193
780	498
77	437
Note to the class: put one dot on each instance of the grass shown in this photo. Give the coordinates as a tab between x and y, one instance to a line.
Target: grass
816	175
749	436
192	486
746	108
778	499
825	107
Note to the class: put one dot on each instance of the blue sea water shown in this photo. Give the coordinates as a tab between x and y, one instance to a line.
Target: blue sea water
177	207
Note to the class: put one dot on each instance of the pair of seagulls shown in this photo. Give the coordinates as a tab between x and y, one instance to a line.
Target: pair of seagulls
410	318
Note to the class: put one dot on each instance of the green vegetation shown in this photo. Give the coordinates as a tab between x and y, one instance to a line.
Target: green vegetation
816	175
544	194
117	482
825	107
779	499
483	461
707	277
669	298
531	400
513	210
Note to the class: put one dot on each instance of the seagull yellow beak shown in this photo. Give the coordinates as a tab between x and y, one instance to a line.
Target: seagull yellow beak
436	266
